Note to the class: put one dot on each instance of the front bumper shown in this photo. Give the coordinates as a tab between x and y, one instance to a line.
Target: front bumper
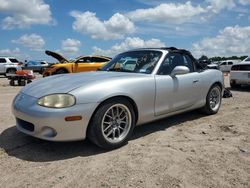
47	72
49	123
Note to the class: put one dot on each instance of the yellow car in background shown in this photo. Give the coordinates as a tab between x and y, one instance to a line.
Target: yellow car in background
80	64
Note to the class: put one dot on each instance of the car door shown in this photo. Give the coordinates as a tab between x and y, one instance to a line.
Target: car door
83	64
179	92
32	65
223	66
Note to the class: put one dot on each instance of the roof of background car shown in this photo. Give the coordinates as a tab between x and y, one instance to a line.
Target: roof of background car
7	57
93	56
243	63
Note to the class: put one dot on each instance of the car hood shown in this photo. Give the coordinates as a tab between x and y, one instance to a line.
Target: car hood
57	56
64	83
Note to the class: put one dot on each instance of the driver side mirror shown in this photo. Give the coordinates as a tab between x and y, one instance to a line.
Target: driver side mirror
178	70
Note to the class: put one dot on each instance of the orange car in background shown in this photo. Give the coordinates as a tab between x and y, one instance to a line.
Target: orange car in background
80	64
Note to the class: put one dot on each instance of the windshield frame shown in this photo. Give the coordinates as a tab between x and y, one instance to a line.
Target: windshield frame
115	60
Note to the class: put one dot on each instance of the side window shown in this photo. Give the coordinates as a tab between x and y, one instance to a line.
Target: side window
170	62
230	63
189	63
98	59
13	60
85	60
2	60
165	68
224	63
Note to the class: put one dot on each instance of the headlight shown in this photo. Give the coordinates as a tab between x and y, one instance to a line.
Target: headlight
57	101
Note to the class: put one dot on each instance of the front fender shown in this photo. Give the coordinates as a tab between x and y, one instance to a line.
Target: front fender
140	90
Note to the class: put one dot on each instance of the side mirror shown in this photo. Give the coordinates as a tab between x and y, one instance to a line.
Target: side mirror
178	70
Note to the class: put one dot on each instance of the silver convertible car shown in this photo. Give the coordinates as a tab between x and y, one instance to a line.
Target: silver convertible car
134	88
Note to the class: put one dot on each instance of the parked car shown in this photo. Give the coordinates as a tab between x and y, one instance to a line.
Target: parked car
9	65
80	64
36	66
106	105
246	60
240	74
225	66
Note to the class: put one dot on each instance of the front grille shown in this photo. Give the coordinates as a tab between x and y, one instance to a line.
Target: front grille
25	125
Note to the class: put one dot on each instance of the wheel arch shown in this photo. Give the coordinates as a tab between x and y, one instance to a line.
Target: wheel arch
130	100
10	68
61	68
217	83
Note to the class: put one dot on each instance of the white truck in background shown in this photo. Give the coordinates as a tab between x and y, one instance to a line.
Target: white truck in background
226	65
9	65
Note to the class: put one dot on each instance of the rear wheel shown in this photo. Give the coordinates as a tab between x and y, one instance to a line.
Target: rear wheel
12	82
10	71
213	100
112	124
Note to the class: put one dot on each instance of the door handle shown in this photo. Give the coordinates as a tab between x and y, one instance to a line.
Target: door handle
195	81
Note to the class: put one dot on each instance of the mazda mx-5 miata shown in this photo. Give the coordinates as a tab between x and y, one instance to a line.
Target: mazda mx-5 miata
134	88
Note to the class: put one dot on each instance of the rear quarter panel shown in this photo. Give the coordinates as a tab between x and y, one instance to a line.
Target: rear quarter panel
207	79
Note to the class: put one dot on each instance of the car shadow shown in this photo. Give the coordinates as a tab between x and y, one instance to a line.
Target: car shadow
165	123
243	88
27	148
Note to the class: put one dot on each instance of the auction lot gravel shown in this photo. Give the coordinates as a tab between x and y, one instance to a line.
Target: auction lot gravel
187	150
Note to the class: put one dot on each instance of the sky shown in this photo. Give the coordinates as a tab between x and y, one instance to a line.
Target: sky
109	27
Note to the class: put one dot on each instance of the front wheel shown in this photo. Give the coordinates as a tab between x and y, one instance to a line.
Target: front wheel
213	100
61	71
112	124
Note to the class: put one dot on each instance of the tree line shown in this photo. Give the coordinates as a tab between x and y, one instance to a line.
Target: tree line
217	58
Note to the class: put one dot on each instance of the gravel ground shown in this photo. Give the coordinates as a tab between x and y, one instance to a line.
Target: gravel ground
187	150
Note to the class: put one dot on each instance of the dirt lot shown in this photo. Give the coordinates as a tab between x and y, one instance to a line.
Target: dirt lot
188	150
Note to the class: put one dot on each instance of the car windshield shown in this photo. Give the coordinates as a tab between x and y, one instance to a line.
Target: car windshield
142	61
248	59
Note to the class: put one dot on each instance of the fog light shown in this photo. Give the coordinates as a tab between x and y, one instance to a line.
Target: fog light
48	132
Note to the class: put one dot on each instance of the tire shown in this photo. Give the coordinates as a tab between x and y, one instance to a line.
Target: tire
21	82
111	128
10	71
61	71
12	82
213	100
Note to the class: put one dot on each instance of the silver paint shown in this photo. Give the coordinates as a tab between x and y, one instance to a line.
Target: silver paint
155	96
